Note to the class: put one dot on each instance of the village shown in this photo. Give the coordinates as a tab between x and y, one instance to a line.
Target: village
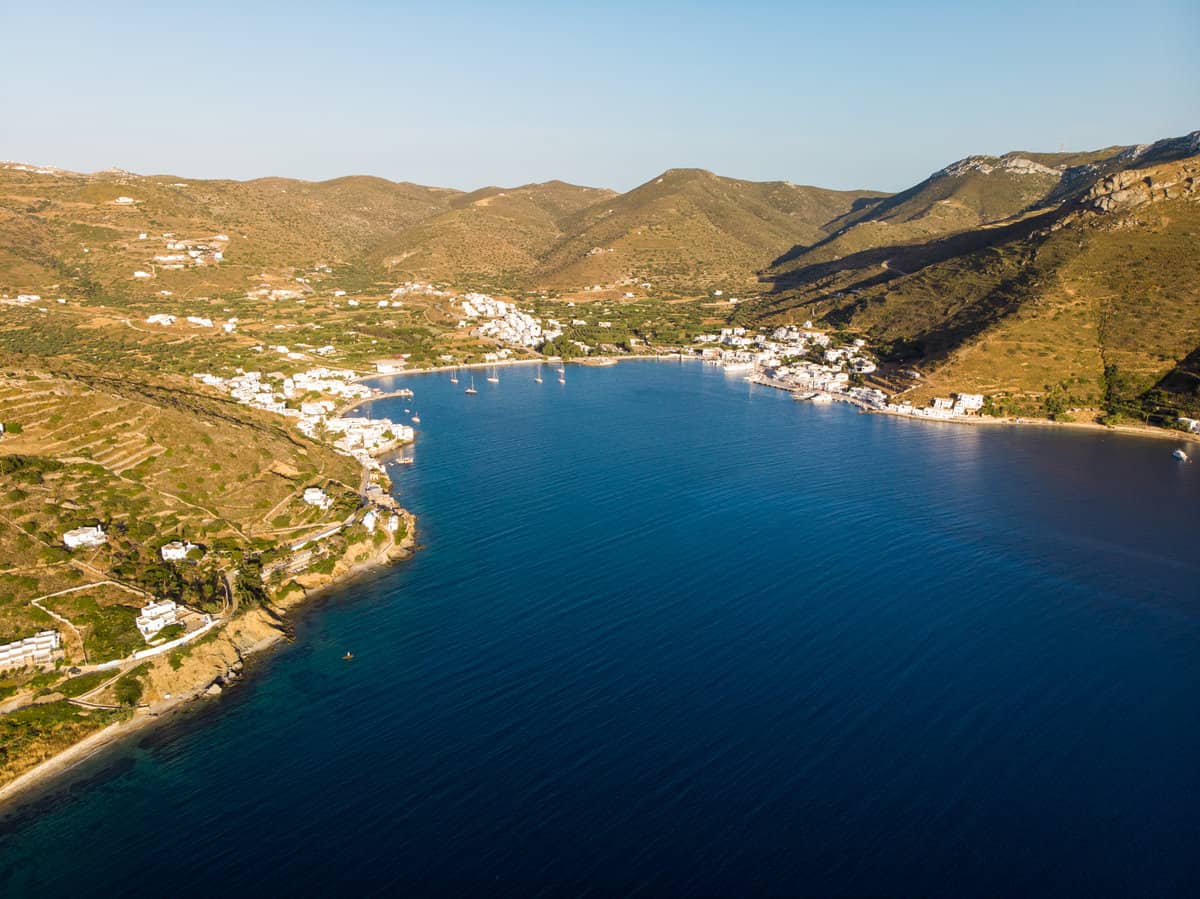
313	401
804	361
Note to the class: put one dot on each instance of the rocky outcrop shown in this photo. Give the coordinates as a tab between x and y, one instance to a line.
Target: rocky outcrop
1135	187
986	165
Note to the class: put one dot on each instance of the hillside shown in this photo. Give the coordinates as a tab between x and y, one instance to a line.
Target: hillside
690	228
1093	305
974	192
488	232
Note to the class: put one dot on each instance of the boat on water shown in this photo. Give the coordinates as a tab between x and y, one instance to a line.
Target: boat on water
405	461
471	389
348	657
807	395
416	419
1179	456
494	377
454	376
822	398
538	377
562	376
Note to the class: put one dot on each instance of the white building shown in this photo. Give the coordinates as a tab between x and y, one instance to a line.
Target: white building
155	616
40	649
85	536
176	551
966	403
315	496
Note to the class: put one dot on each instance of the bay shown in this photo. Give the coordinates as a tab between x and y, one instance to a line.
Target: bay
670	634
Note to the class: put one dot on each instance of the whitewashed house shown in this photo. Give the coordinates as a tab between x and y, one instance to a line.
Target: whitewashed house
85	537
315	496
155	616
176	551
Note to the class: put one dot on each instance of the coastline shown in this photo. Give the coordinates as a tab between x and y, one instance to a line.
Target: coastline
988	421
227	651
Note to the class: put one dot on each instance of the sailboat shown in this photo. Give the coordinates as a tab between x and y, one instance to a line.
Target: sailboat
494	377
562	376
472	389
416	419
454	376
539	373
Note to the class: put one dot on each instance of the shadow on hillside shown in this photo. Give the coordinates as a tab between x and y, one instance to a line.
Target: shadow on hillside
1178	391
896	260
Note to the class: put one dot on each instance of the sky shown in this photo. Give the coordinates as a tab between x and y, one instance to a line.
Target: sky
840	94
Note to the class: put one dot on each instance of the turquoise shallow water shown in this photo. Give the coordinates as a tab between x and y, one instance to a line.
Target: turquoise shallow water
669	634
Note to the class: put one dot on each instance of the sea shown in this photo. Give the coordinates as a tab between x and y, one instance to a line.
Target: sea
668	633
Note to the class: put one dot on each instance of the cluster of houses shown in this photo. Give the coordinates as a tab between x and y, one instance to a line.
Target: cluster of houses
802	359
504	322
357	436
273	391
40	650
789	356
417	288
28	299
184	252
955	406
167	320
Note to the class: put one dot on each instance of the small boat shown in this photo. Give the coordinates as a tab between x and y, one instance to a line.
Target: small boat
471	389
1179	456
405	461
454	376
562	376
416	419
494	377
538	379
348	657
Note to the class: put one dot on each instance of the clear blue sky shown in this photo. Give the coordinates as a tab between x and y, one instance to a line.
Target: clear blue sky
851	94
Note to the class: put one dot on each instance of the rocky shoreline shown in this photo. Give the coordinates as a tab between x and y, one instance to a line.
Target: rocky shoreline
210	666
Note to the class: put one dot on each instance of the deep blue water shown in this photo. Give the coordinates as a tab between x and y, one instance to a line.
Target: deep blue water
672	635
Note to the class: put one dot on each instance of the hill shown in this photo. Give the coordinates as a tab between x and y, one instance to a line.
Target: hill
690	228
488	232
1089	305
